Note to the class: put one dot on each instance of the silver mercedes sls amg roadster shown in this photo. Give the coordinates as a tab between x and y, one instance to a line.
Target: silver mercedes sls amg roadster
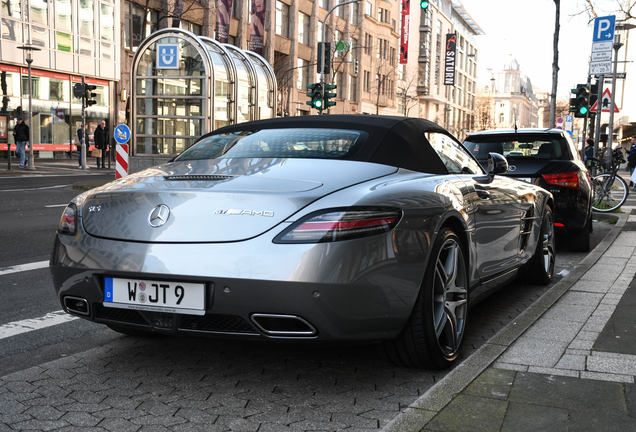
321	228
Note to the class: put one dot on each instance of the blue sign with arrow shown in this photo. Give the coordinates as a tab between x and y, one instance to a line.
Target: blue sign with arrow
604	29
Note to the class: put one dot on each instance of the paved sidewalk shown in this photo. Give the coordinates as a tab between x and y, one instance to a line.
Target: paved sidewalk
44	167
568	363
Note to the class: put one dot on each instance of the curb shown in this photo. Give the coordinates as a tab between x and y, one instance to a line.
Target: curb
417	415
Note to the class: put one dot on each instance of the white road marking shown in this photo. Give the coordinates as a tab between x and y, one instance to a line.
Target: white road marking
24	267
50	319
56	205
40	188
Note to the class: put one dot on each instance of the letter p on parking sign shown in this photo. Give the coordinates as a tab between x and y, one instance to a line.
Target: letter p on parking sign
604	29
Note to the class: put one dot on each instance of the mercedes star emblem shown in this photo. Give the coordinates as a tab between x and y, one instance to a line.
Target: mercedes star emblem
511	168
159	216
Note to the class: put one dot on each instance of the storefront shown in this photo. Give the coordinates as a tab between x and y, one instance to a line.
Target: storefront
57	114
186	85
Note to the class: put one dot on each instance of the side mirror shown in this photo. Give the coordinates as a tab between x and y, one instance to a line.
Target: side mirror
592	162
497	164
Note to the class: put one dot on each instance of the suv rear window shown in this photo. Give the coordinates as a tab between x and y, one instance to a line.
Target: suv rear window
537	146
277	143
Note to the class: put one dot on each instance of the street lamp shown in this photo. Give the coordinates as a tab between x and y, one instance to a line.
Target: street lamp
28	49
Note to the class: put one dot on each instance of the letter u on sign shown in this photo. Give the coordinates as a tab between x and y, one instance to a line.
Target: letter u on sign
168	56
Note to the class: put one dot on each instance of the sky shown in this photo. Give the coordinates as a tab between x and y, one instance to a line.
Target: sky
525	29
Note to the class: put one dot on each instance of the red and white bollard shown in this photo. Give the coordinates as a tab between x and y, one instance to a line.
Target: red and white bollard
121	169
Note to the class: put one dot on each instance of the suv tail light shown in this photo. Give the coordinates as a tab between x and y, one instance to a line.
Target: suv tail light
336	225
567	179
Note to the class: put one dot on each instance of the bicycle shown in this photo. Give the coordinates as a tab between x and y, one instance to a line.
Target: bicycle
610	191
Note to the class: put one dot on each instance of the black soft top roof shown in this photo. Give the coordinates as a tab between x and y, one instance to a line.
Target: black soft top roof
394	141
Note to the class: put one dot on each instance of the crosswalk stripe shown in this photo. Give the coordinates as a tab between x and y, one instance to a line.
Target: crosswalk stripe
50	319
24	267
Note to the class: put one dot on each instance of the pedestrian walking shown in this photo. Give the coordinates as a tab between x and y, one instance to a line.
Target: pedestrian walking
631	162
21	137
100	143
80	137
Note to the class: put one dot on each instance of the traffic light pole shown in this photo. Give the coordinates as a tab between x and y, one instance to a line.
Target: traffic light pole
608	154
84	132
322	51
599	111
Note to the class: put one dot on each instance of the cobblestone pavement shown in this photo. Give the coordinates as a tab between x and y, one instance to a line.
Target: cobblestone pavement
182	384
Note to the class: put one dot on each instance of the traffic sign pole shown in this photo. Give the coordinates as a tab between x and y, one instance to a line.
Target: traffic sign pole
597	127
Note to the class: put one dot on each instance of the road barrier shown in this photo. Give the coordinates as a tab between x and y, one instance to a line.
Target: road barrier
121	169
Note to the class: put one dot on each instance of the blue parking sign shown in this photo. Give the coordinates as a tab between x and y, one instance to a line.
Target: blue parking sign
604	29
167	56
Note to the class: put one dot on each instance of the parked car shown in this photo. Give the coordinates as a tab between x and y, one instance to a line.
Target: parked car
548	159
318	228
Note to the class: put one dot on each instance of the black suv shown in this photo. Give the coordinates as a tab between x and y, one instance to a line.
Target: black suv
548	158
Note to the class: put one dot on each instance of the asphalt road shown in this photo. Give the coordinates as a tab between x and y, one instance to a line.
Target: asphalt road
30	209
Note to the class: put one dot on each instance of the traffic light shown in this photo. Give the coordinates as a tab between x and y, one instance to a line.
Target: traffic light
593	94
316	95
424	4
89	95
582	100
328	95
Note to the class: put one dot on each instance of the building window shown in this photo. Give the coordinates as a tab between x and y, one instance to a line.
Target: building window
353	18
64	15
401	70
301	82
367	81
337	10
369	10
353	88
107	23
39	12
384	15
282	19
134	24
368	44
191	27
322	4
303	28
12	8
87	18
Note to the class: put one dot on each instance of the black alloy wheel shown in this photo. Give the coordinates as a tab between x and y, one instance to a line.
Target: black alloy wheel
544	258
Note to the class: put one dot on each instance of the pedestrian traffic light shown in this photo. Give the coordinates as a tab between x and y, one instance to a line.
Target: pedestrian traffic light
582	100
89	95
424	4
328	95
316	95
593	94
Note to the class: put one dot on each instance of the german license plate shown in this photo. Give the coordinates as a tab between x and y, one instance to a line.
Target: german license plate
151	295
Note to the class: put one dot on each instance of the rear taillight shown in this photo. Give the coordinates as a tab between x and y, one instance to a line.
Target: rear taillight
567	179
337	225
68	221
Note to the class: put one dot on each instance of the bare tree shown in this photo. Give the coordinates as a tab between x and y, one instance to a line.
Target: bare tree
484	115
407	90
555	63
176	11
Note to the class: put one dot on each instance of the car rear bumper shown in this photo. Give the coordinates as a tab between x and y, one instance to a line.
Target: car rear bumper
362	297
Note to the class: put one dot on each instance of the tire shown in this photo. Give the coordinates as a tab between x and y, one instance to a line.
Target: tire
543	261
608	198
132	332
580	240
434	333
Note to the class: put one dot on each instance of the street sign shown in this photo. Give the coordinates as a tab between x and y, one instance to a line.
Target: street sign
122	134
606	101
604	28
568	122
602	44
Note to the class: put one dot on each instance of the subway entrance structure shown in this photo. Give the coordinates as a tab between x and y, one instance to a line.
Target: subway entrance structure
184	86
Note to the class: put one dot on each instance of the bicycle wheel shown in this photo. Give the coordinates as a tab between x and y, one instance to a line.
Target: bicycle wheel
609	193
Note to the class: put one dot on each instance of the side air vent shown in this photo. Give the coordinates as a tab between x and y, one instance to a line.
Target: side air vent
203	177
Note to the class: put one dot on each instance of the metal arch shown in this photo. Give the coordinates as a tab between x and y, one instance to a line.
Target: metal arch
231	68
167	32
270	75
252	72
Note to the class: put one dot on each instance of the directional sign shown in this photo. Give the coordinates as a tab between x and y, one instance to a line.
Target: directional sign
606	101
604	28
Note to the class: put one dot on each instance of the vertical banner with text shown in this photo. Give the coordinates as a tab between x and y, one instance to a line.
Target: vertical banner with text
223	15
257	26
449	65
404	30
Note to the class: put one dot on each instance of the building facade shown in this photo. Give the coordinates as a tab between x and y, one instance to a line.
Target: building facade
72	39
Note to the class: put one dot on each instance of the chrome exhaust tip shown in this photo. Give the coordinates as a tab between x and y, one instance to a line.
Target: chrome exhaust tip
76	305
283	325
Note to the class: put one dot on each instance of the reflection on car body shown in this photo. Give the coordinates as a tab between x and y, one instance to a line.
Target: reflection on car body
365	228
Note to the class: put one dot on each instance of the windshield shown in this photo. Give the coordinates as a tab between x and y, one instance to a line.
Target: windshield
536	146
277	143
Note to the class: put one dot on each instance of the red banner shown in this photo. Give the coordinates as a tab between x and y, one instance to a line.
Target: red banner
404	29
223	16
257	26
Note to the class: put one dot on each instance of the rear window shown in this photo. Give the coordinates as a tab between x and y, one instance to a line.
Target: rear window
537	146
277	143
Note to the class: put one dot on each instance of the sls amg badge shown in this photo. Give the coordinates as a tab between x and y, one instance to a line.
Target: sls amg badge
237	212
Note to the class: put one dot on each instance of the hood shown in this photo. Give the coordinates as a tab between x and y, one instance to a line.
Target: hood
219	200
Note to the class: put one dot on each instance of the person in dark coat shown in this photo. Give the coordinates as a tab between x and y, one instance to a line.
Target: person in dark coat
21	136
589	149
631	161
80	137
100	143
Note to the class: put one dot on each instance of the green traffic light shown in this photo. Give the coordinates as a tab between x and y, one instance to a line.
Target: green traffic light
318	104
424	4
583	110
